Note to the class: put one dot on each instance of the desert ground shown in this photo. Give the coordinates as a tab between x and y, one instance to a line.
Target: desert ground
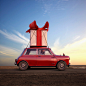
42	76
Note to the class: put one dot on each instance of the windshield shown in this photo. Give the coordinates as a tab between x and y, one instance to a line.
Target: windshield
52	51
21	54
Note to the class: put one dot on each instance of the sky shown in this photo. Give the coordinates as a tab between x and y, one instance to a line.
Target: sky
67	27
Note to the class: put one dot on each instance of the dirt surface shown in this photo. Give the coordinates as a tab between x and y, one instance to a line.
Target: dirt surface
12	76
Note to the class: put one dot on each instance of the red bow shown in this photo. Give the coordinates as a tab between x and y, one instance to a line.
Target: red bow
33	26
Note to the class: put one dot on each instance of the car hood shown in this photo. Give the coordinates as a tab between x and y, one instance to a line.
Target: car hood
61	56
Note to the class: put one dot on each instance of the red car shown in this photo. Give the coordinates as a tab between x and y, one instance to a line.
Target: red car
41	57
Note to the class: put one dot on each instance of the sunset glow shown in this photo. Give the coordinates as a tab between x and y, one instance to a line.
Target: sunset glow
67	27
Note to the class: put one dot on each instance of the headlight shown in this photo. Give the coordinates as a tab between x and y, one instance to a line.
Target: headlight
15	60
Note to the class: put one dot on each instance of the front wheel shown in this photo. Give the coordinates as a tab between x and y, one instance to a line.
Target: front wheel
23	65
61	65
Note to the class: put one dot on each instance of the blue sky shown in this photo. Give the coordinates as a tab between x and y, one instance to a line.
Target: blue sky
67	27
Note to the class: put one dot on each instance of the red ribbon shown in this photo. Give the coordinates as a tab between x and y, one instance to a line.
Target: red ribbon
33	26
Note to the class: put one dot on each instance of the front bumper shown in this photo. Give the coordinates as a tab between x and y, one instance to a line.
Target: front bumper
68	64
15	63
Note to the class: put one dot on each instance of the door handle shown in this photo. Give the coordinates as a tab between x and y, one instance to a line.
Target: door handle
39	56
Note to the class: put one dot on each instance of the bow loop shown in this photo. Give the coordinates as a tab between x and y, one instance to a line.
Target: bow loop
33	26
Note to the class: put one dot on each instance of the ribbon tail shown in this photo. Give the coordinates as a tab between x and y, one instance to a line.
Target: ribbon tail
28	31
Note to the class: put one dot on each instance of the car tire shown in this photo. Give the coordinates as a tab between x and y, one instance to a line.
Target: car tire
23	65
61	65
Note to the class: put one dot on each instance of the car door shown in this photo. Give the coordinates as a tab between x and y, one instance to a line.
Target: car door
31	57
44	58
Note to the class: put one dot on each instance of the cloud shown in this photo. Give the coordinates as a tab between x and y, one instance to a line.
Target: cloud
49	5
22	36
56	45
6	51
65	0
76	38
8	55
77	46
19	39
76	51
47	8
1	52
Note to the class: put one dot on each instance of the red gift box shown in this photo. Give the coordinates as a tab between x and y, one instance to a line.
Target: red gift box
38	36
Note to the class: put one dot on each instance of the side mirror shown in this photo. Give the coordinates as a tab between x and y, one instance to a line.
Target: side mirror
63	54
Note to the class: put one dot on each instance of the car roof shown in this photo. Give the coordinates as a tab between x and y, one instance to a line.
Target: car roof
38	48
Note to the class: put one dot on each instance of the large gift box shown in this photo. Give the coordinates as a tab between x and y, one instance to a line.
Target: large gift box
38	36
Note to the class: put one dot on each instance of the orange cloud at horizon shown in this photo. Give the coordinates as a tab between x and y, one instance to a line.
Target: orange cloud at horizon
76	51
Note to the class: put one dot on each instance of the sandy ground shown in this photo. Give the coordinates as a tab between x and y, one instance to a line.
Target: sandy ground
45	76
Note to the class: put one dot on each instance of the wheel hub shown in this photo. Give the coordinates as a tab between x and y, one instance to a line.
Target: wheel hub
23	65
61	65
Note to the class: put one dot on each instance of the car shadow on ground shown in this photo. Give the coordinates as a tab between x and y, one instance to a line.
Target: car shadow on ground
40	68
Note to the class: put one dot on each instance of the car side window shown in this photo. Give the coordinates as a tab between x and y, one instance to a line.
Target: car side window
43	52
30	52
